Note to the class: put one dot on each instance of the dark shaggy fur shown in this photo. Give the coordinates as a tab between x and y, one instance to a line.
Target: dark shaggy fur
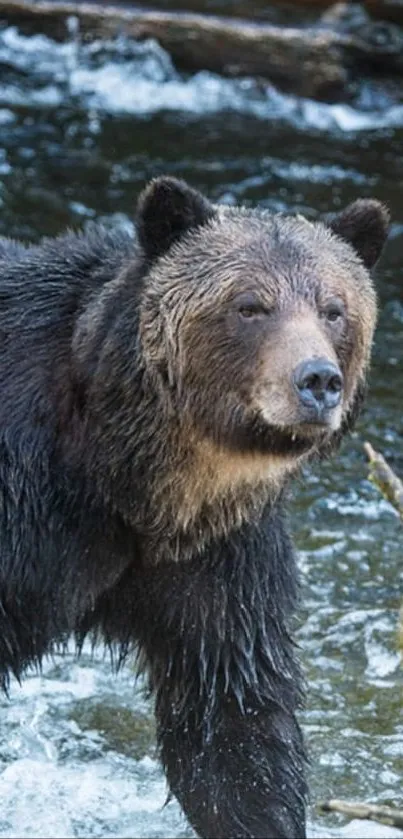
134	505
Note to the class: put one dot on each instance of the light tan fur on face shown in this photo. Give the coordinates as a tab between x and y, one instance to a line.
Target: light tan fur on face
300	338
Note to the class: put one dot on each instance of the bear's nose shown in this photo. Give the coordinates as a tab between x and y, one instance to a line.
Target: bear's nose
319	384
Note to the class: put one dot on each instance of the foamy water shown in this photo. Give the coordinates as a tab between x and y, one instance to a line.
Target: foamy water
125	77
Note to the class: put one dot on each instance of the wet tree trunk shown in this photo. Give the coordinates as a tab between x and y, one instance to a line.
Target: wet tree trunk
391	10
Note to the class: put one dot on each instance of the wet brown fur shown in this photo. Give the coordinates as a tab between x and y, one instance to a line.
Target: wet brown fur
149	422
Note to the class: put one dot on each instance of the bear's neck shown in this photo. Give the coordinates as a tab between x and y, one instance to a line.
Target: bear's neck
177	489
201	491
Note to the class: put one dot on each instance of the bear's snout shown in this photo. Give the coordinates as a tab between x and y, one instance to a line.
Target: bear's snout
319	386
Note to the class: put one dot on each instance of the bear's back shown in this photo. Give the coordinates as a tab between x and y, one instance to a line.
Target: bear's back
43	289
58	273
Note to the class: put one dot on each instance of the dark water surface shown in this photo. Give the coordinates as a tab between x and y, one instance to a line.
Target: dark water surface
81	129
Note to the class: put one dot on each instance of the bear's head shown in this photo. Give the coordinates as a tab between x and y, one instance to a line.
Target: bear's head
259	326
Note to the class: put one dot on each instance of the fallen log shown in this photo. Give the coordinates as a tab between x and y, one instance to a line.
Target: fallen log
309	64
391	10
361	810
314	62
251	9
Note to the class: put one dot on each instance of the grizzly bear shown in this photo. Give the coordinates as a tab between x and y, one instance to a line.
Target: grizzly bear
157	394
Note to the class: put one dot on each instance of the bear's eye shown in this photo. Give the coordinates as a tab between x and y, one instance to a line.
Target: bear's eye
250	307
334	311
250	311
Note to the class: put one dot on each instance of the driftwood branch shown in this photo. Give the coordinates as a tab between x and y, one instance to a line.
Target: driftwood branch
360	810
384	478
317	62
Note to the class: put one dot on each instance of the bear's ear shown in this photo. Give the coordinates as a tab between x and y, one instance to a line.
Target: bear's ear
166	209
364	224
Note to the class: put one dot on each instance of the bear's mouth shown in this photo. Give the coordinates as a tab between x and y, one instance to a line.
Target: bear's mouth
293	441
264	438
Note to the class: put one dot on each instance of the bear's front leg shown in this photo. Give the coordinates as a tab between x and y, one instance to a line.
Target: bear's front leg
236	772
227	685
213	633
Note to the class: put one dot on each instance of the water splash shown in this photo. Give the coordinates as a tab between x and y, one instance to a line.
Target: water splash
126	77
